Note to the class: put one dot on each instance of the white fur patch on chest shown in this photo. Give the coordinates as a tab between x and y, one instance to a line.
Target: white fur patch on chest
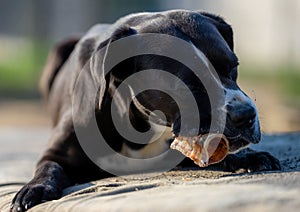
152	149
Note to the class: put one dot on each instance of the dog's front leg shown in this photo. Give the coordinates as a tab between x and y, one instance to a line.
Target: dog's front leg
248	160
50	177
47	184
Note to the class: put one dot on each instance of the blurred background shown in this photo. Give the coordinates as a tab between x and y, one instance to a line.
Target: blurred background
266	35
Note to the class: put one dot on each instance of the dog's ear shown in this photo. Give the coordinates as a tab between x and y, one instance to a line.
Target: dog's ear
117	72
93	81
224	28
56	59
121	32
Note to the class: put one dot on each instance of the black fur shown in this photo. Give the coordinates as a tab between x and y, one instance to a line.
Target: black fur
64	163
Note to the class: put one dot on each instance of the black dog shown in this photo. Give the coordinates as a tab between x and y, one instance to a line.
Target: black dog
65	163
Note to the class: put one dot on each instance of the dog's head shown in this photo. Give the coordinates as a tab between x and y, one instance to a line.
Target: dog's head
208	34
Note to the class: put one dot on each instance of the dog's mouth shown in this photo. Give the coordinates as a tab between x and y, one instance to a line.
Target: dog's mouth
235	142
232	140
209	148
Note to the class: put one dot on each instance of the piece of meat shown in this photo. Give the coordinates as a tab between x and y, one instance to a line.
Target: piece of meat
202	149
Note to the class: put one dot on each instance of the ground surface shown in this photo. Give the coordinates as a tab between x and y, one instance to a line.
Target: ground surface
178	190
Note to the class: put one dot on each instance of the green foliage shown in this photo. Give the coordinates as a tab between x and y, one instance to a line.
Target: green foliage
20	73
285	79
290	83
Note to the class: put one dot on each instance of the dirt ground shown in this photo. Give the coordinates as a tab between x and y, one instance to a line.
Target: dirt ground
177	190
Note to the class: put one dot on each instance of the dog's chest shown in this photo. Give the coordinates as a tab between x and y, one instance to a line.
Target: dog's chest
150	150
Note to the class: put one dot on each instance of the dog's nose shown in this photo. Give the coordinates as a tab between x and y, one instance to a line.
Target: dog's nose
242	115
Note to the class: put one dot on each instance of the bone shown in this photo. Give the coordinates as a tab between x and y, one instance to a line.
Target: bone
204	149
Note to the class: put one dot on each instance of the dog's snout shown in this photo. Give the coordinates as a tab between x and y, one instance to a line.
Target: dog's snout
241	115
241	111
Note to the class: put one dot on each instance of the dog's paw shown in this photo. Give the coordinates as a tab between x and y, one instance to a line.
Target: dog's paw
251	161
33	194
